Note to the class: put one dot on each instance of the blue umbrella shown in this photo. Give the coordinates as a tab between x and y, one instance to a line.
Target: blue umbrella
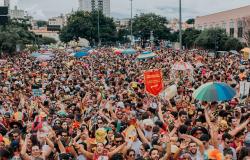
214	92
36	54
146	54
129	51
80	54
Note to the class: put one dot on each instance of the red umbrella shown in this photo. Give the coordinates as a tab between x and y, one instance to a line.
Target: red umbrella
118	52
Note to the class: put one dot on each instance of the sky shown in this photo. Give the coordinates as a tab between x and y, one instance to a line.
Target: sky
44	9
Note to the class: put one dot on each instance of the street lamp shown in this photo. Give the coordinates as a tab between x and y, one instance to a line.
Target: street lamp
131	25
98	22
180	27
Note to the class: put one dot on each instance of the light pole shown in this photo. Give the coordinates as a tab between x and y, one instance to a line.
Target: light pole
180	27
98	21
131	21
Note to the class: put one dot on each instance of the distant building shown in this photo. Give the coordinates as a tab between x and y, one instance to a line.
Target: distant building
6	2
56	23
91	5
17	13
122	23
45	33
174	25
235	21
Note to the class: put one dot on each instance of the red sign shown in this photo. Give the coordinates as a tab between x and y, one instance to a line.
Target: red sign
153	82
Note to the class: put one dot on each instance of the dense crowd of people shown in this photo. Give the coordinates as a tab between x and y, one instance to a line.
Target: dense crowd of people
96	108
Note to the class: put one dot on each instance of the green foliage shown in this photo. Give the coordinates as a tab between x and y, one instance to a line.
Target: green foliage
42	23
213	38
233	44
15	33
47	40
84	25
145	23
189	36
122	35
190	21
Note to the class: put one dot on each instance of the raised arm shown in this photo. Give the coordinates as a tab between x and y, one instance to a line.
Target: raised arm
168	149
141	135
110	154
239	128
80	148
160	113
196	140
24	155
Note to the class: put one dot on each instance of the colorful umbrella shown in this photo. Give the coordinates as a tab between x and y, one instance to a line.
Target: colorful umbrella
118	51
36	54
182	66
44	58
147	54
214	92
81	54
129	51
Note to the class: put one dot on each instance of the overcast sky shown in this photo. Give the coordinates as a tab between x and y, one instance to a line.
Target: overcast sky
43	9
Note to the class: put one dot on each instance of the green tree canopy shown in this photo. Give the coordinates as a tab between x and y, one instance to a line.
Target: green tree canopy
190	21
189	37
84	25
214	38
145	23
233	44
15	33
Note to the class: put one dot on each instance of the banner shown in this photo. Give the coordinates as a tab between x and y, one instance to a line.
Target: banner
153	81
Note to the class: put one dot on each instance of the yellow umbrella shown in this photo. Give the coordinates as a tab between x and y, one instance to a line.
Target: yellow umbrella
246	50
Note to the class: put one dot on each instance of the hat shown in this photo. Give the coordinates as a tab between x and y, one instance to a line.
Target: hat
100	135
148	122
120	104
199	128
18	123
42	115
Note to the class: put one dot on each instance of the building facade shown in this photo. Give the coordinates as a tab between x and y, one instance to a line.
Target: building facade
6	2
91	5
235	21
122	23
17	13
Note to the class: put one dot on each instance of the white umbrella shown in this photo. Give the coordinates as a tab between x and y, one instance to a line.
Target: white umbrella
182	66
44	58
145	56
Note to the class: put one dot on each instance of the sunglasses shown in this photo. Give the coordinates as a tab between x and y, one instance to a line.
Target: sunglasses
131	155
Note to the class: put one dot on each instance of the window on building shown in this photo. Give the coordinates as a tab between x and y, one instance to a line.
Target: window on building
240	29
231	32
205	26
231	24
217	26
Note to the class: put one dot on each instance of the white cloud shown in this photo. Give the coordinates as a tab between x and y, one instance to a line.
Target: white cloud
121	8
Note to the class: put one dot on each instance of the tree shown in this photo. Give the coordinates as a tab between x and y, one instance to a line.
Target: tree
47	40
84	25
190	21
122	35
42	23
13	34
189	37
213	38
233	44
145	23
